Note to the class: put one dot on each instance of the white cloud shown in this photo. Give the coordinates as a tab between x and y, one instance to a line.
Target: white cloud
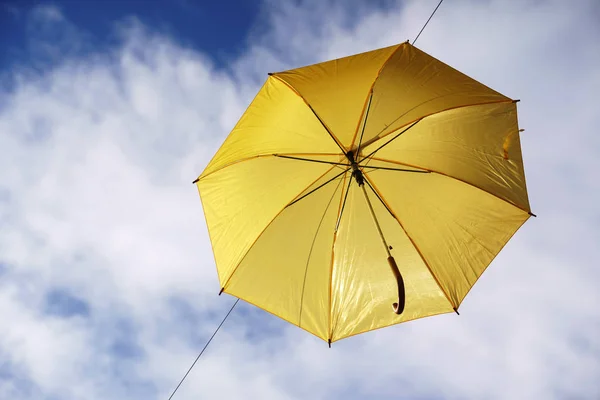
97	155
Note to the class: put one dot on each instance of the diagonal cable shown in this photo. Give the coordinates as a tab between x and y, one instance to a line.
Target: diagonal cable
204	348
429	19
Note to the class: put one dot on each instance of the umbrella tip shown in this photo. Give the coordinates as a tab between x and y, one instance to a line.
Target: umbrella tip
329	342
516	101
456	311
221	291
532	214
195	181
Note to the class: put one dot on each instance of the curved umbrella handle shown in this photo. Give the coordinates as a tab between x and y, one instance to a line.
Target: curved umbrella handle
399	306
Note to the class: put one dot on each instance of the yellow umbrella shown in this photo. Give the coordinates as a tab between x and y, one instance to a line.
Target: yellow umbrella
364	191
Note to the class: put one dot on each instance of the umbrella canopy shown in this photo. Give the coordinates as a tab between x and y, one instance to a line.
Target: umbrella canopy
364	191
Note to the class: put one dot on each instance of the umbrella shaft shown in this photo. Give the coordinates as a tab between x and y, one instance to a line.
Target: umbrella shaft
387	247
398	307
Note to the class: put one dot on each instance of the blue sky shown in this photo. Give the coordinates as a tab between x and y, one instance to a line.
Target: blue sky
217	28
108	111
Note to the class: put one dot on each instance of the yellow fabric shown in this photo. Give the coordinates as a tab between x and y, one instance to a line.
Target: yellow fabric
427	85
295	237
363	287
277	121
458	228
467	144
289	265
338	90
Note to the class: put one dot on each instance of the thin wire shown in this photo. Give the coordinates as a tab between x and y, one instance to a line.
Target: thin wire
431	16
205	346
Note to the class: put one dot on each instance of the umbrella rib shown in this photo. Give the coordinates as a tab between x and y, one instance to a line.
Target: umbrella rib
485	191
327	129
370	96
260	156
392	139
312	160
318	187
395	162
311	250
366	116
340	210
380	197
458	179
263	231
416	169
483	103
337	225
344	151
395	169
